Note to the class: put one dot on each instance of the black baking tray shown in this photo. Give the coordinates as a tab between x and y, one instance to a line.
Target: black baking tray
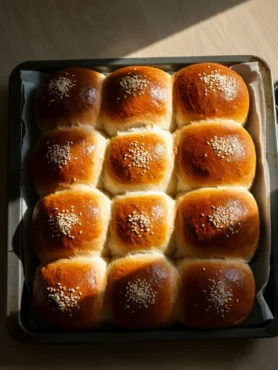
18	300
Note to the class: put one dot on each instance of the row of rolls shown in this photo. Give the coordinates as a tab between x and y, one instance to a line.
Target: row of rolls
198	155
141	95
145	217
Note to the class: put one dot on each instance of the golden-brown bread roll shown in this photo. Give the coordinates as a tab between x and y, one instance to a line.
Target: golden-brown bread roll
213	154
137	96
215	294
139	160
141	221
69	293
70	222
67	157
141	291
217	223
208	91
69	97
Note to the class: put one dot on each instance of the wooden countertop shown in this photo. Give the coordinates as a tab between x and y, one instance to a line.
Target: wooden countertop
91	29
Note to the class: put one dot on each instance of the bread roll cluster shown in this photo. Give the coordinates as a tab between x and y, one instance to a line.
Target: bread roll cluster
145	216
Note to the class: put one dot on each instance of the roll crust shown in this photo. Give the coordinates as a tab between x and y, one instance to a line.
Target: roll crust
66	157
217	223
69	293
207	91
141	291
140	160
215	294
69	97
213	154
69	223
137	96
141	222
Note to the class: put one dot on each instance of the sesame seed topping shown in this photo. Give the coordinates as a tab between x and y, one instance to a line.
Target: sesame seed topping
134	85
138	224
138	156
215	80
58	154
219	297
222	217
61	223
64	301
138	294
59	88
222	147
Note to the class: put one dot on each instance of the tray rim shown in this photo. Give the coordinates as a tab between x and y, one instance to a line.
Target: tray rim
14	270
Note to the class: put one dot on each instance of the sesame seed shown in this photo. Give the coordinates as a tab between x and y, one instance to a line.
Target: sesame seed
62	222
223	217
204	269
138	224
222	147
134	85
219	296
58	155
215	81
138	294
74	179
137	157
64	301
59	88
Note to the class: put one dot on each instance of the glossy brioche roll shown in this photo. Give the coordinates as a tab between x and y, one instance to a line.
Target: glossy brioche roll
137	96
70	222
141	221
67	157
217	223
141	291
215	294
69	293
69	97
139	160
207	91
213	154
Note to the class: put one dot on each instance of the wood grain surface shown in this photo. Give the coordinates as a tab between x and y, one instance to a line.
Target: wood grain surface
48	29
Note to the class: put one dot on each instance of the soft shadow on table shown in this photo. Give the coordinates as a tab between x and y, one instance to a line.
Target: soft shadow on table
165	355
104	28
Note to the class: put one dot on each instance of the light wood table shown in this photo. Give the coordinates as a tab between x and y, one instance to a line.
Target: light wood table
91	29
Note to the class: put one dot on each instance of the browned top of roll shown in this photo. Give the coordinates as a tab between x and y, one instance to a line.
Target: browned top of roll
218	223
213	154
69	97
68	293
136	159
67	222
215	294
210	90
141	290
136	92
140	222
64	157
